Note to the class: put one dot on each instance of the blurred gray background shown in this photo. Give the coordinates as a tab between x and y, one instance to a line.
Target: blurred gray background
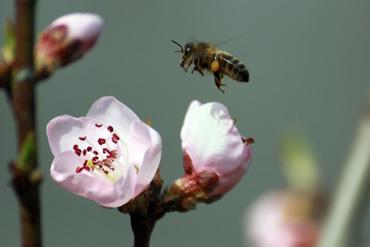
309	63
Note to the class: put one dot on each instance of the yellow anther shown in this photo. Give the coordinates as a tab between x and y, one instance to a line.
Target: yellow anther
90	163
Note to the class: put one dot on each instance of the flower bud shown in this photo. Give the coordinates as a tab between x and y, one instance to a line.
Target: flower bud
109	156
66	40
216	156
283	219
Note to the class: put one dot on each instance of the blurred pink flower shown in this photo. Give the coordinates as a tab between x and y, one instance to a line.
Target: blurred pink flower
215	154
67	39
282	219
110	156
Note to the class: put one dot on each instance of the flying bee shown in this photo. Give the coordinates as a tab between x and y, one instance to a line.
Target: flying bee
208	57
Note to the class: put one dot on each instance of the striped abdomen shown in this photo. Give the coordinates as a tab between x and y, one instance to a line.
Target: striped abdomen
233	68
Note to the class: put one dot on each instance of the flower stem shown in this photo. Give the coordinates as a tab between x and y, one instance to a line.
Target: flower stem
142	228
25	176
351	192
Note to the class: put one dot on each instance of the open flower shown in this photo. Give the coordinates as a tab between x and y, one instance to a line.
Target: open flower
216	155
283	219
67	39
110	156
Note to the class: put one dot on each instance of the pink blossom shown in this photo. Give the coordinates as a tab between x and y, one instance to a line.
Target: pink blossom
67	39
216	155
109	156
282	219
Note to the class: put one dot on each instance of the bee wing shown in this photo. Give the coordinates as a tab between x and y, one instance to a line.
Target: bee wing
225	57
221	43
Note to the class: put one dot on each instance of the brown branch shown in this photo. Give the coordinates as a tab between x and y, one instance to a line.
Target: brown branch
25	176
149	207
5	74
142	227
145	210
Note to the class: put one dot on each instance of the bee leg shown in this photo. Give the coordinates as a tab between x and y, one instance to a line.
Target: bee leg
218	77
200	71
196	62
194	69
197	66
186	67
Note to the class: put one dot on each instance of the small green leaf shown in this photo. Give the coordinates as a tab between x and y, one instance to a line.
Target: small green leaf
8	51
299	161
27	152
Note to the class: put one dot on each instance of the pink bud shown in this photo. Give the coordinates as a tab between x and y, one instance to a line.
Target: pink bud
216	156
110	156
67	39
282	219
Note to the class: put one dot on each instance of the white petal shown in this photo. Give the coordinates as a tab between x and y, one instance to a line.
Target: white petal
64	131
89	185
210	137
111	111
231	178
266	222
145	148
83	26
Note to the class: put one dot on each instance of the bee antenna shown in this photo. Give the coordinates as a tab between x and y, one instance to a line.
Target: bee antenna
182	48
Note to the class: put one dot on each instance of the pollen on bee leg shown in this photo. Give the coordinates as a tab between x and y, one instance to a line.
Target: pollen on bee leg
215	66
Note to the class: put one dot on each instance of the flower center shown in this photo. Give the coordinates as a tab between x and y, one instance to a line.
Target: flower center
99	151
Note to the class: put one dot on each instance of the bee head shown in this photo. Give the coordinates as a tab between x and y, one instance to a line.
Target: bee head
187	53
188	49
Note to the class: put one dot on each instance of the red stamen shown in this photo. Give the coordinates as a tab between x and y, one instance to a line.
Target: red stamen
78	151
82	138
95	152
89	149
101	141
107	162
79	169
110	128
84	152
98	125
75	147
115	138
112	154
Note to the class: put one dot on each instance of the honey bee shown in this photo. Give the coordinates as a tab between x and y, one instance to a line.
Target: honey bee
206	56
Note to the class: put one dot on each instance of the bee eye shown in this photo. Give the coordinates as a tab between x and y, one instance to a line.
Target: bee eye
187	51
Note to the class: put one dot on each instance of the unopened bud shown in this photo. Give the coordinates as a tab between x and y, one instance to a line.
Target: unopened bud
66	40
215	153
